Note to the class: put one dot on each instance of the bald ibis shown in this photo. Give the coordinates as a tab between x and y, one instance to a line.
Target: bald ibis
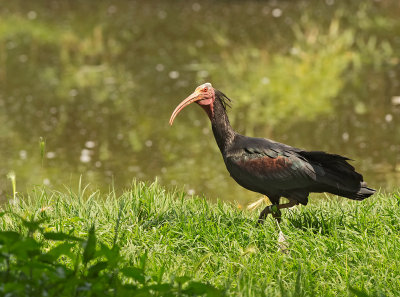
272	168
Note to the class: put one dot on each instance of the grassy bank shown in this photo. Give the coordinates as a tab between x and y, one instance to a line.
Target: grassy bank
335	247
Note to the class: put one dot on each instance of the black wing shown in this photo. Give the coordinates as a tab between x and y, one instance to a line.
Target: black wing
274	168
271	168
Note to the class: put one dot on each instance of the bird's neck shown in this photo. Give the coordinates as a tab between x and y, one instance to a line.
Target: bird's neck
223	132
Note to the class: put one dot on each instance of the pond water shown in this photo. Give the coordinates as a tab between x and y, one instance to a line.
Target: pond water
98	82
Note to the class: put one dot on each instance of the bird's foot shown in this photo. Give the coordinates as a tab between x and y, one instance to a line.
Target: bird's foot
274	209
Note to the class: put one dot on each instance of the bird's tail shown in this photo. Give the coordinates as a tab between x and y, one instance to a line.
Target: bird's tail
362	193
339	176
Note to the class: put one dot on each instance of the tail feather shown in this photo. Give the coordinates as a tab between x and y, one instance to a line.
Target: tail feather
363	193
339	177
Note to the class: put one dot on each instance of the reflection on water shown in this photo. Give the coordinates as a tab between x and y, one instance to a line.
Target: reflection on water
99	82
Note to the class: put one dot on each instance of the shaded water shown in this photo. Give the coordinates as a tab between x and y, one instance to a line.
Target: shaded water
99	81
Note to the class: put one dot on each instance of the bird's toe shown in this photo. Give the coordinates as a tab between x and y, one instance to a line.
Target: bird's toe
266	211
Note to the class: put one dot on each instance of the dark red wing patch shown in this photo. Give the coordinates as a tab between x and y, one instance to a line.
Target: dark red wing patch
265	164
283	172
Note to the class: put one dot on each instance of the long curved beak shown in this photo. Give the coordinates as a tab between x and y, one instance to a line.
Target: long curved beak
196	96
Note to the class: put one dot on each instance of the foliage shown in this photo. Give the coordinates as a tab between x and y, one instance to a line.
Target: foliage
167	238
36	262
319	74
280	89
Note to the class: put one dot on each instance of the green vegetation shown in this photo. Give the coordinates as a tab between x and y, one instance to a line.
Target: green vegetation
106	77
148	240
98	82
283	86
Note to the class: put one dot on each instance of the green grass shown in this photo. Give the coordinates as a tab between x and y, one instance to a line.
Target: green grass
336	247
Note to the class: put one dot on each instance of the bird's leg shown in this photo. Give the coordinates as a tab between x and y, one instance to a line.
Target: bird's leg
275	210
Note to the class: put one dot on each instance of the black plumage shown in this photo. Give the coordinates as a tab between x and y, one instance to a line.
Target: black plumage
275	169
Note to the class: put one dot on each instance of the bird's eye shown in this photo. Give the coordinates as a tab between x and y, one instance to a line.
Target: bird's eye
205	89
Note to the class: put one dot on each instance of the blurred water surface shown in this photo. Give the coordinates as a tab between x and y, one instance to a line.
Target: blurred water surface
99	80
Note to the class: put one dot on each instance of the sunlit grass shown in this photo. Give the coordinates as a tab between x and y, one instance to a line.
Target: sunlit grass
12	177
333	245
42	148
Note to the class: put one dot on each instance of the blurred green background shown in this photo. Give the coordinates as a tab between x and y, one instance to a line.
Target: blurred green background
98	80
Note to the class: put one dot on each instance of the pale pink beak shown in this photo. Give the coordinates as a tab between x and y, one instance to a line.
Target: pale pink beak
196	96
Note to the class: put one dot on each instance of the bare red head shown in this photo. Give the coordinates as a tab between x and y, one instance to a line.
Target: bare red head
204	95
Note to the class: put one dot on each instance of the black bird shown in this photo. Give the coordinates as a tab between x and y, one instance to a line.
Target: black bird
272	168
